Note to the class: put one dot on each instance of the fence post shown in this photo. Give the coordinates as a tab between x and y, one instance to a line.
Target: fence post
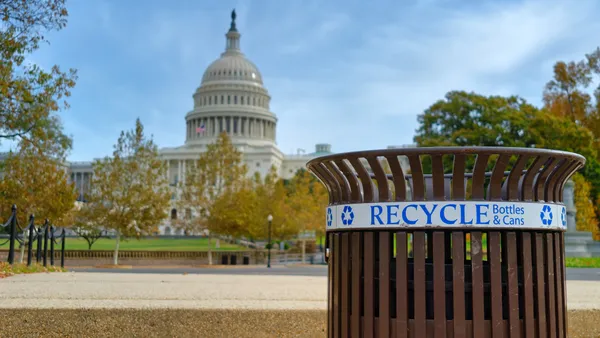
62	249
13	235
31	229
46	228
38	254
52	245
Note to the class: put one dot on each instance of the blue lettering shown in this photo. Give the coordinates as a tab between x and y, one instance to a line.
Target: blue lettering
443	214
405	217
394	213
480	213
463	215
428	213
373	215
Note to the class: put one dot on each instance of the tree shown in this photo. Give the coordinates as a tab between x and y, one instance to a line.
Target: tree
38	185
308	200
29	96
129	190
216	174
464	119
563	95
468	119
88	223
567	95
585	217
234	210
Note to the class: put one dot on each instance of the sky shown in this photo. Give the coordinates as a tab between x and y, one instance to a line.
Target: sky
347	73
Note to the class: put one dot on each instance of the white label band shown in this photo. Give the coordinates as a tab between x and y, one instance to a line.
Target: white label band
457	214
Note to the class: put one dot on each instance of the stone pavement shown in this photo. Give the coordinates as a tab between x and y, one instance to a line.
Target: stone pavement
206	291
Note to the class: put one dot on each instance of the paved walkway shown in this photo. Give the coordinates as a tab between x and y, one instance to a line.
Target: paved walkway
206	291
107	290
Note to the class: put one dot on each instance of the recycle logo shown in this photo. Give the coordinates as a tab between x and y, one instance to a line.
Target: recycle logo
546	215
347	215
329	217
563	216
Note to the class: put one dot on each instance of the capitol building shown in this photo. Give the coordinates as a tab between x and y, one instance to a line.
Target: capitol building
232	98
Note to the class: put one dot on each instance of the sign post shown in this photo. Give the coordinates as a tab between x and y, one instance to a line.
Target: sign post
426	242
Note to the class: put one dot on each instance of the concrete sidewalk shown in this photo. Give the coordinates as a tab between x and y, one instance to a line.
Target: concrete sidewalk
107	290
142	291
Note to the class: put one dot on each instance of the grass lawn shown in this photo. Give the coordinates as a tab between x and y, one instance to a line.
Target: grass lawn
583	262
150	244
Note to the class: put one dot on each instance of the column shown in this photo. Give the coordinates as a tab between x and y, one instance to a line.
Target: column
80	184
184	172
179	167
168	172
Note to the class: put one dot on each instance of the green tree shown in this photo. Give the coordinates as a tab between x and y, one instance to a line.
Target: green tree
468	119
464	119
129	190
216	175
30	96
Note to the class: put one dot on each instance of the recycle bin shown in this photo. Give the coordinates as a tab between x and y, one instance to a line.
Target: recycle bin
446	242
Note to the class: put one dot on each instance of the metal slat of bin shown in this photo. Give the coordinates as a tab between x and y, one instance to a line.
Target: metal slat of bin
449	285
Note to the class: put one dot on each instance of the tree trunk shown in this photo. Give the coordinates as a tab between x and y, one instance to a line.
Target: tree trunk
23	247
116	254
209	250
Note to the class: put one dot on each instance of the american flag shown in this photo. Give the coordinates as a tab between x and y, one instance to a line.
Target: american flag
200	129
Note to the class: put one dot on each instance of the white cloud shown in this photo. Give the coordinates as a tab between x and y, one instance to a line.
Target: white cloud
403	66
354	77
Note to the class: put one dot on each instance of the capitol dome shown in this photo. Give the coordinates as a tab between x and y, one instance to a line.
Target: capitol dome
232	67
231	98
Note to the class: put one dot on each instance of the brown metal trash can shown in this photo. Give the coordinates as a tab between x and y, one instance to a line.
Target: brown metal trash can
446	242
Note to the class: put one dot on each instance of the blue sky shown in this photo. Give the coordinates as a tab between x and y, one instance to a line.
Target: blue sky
342	72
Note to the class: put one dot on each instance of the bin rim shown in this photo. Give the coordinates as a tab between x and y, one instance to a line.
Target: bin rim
450	150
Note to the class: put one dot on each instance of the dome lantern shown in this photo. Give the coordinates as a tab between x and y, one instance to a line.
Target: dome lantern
233	38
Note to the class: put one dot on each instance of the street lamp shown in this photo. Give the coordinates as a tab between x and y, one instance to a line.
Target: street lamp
270	219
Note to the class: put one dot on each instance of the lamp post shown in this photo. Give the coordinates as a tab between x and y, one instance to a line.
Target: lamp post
270	219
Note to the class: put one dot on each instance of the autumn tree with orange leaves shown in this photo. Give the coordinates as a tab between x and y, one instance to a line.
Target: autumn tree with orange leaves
574	94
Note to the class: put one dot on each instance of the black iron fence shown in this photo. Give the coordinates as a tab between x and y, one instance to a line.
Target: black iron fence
44	236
